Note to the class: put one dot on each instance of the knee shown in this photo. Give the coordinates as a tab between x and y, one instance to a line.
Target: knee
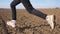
31	11
12	5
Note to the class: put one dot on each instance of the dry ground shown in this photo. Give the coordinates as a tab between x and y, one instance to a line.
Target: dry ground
28	23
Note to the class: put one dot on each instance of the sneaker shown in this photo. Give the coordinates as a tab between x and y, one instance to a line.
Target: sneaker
50	20
11	23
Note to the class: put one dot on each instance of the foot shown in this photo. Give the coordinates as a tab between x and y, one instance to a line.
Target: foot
11	23
50	20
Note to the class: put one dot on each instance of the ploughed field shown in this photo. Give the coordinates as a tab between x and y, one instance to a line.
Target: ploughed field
28	23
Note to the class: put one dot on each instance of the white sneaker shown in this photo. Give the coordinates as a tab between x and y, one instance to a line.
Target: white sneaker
11	23
50	20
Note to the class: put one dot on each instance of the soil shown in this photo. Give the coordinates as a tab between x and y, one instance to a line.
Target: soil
27	23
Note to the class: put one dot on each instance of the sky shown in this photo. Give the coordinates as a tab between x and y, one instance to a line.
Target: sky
35	4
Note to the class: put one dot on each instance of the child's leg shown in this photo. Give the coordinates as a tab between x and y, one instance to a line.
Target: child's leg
30	9
49	18
13	8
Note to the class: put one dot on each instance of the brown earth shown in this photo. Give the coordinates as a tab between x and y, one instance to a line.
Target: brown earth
28	23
